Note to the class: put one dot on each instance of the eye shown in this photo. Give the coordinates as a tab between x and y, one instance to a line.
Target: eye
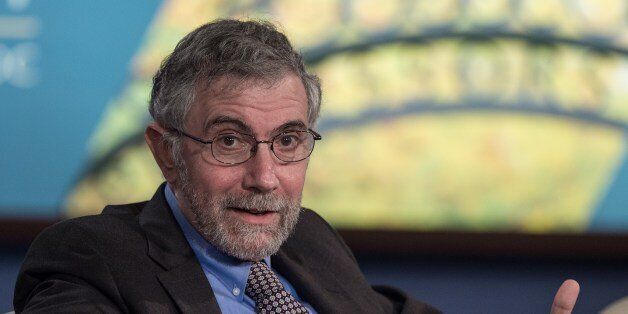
230	141
288	140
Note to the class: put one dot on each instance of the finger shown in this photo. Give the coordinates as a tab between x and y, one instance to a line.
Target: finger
566	297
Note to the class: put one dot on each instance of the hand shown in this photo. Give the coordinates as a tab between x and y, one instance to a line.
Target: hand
566	297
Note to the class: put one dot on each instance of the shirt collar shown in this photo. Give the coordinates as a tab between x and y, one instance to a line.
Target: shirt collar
232	272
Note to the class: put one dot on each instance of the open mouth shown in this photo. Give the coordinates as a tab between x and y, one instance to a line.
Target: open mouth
256	216
253	211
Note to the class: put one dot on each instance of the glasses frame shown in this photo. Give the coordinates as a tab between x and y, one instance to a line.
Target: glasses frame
270	142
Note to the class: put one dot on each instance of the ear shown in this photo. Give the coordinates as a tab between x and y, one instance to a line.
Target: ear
162	152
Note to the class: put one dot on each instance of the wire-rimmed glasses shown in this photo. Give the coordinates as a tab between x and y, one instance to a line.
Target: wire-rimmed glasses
234	148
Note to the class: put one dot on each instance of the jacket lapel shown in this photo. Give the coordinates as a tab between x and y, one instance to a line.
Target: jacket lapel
189	289
316	286
183	277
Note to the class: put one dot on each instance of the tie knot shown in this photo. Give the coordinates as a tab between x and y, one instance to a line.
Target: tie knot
270	296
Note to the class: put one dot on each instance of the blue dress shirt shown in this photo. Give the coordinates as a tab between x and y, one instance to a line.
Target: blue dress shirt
226	275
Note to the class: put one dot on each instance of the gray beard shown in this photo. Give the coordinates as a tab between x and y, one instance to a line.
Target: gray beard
216	222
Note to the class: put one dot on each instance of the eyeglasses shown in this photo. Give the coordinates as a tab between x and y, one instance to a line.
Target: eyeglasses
234	148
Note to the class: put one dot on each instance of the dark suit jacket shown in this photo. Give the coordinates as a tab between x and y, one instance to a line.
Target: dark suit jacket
135	258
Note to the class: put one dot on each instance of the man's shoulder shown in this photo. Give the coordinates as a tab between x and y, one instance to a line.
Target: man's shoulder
311	226
108	238
115	224
321	245
314	235
310	217
123	215
93	260
132	209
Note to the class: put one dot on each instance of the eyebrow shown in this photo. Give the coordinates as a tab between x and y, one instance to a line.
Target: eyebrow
228	120
247	129
290	124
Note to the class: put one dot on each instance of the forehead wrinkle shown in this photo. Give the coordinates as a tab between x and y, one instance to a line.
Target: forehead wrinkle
232	86
226	93
234	119
250	100
224	119
231	89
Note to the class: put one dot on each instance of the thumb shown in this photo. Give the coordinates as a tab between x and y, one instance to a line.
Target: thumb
566	297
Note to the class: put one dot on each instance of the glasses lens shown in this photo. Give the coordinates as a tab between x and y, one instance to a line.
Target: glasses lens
232	148
293	146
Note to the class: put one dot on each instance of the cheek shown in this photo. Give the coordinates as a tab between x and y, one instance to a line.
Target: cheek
217	180
293	178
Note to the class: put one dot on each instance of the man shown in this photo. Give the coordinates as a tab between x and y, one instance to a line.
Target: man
233	110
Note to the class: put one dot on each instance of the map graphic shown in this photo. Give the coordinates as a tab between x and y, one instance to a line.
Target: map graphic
437	115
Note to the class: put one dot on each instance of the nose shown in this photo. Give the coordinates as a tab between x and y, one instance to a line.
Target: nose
260	173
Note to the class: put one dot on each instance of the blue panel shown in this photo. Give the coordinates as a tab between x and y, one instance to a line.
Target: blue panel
612	214
77	56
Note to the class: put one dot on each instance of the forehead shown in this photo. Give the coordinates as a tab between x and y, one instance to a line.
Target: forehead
260	104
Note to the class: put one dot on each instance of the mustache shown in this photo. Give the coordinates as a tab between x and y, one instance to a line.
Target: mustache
259	202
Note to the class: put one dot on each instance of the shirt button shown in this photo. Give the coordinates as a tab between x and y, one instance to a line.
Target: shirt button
236	291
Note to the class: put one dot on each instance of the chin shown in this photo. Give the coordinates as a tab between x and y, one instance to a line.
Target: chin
250	242
256	249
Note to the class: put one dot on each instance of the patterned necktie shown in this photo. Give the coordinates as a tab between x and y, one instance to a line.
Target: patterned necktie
269	294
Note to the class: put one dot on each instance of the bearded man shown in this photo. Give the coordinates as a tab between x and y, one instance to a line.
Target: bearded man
233	110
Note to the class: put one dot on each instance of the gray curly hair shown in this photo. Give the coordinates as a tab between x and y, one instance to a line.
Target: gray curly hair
226	47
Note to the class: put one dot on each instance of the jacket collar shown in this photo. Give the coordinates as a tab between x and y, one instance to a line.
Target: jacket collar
308	285
183	277
166	243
